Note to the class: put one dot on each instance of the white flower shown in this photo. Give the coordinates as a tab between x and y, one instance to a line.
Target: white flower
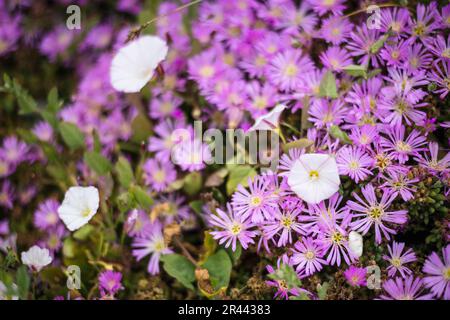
36	258
314	177
79	206
269	121
10	294
355	243
133	66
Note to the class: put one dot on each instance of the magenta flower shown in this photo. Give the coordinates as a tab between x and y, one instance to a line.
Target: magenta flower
437	272
399	184
138	224
154	245
14	150
432	162
354	162
441	76
109	282
364	136
287	68
395	19
360	46
333	239
372	212
324	6
426	21
165	105
159	175
395	54
7	195
284	221
397	259
407	289
257	202
335	58
163	141
397	107
335	29
307	257
324	113
418	58
399	147
356	277
43	131
46	216
235	228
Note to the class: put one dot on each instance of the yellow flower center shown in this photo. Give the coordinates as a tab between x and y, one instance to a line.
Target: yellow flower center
337	237
314	174
395	26
353	165
236	228
290	70
86	212
207	71
447	274
159	176
309	255
255	201
3	168
286	222
260	61
375	213
159	245
420	29
396	262
395	54
403	146
260	102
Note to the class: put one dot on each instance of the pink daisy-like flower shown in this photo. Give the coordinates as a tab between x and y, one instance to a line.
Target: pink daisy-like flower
235	228
363	136
404	289
418	58
307	256
110	282
441	76
324	113
395	54
256	202
395	19
324	6
335	58
354	162
335	29
46	216
397	259
432	161
399	184
356	277
399	147
437	272
284	221
287	69
159	175
333	239
372	212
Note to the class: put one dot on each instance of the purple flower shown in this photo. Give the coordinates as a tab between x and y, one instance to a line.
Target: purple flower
426	21
395	19
163	141
399	147
356	277
287	68
432	161
257	202
324	6
110	282
418	58
335	58
43	131
395	107
408	289
397	259
159	175
354	162
14	150
333	239
57	42
165	105
10	31
46	216
364	136
308	257
235	228
138	224
284	221
399	184
324	113
152	244
335	29
362	41
372	212
441	76
438	273
191	155
395	54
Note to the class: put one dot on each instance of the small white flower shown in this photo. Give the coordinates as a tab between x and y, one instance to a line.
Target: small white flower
36	258
314	177
135	63
355	243
270	120
79	206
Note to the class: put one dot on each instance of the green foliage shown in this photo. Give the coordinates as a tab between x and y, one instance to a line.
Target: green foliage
23	282
124	172
180	268
328	88
239	174
97	162
71	135
356	70
219	268
337	133
141	197
192	183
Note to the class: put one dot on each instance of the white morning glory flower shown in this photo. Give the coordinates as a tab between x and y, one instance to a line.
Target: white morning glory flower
36	258
314	177
79	206
270	120
135	63
355	243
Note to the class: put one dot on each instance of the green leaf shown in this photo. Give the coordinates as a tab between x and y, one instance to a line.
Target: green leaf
53	101
239	174
328	87
192	183
124	172
142	128
84	232
23	282
219	268
379	43
235	255
26	102
71	135
322	290
337	133
209	246
180	268
356	70
97	162
299	144
197	206
142	197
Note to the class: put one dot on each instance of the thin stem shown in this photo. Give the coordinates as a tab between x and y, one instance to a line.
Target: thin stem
185	251
135	32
